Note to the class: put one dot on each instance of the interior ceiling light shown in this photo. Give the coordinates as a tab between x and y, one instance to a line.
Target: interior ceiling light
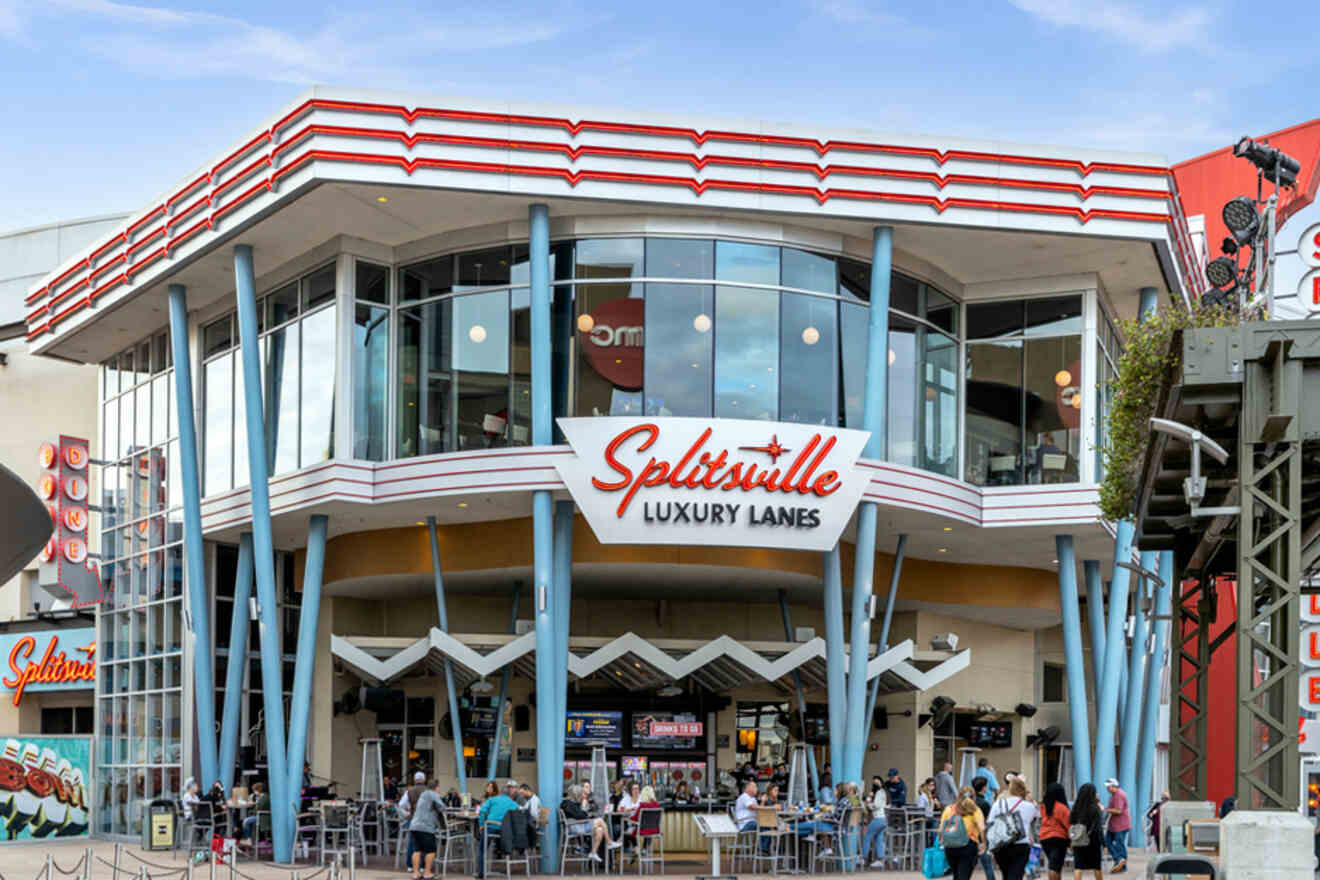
481	687
669	690
477	333
811	336
1062	378
1221	271
701	323
892	356
586	322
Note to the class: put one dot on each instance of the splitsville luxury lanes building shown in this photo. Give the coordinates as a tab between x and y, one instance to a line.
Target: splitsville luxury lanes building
606	415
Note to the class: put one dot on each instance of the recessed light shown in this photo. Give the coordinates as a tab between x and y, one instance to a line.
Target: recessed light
1055	561
948	528
462	504
944	549
420	523
382	199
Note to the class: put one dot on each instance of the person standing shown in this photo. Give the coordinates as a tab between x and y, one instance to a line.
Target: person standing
424	829
1054	822
896	789
873	838
986	772
1012	857
1085	832
987	860
1120	823
962	834
946	790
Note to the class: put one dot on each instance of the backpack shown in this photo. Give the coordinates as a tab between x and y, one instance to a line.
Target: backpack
1005	828
953	832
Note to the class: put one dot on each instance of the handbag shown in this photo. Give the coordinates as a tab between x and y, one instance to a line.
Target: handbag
934	863
1005	828
1079	836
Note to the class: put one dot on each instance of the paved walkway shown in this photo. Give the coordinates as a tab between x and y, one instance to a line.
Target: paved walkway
27	861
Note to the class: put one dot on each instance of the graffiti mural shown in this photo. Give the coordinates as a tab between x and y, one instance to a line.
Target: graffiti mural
43	787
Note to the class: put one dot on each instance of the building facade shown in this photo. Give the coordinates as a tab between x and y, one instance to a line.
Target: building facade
525	384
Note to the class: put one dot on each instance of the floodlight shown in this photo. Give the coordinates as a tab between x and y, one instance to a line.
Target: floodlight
1221	271
1242	219
1276	164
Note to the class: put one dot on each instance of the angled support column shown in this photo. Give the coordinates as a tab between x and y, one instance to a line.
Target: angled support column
884	627
199	602
873	420
549	716
1136	666
443	613
238	642
1107	703
1072	649
504	690
835	668
801	699
1150	713
563	595
309	619
1095	620
263	558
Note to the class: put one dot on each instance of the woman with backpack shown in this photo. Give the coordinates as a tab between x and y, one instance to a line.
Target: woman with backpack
1086	831
962	832
1009	829
1054	822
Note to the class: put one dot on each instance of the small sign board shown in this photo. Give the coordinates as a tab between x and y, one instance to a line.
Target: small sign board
715	825
525	756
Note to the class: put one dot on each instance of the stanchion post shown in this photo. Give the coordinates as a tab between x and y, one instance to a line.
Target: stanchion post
87	864
50	875
117	847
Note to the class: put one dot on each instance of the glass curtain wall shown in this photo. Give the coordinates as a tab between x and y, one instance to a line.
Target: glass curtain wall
1024	381
297	327
1108	351
140	652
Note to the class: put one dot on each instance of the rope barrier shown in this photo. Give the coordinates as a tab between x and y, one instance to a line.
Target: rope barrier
113	867
167	868
70	872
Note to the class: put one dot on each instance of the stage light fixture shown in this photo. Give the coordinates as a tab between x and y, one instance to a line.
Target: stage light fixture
1229	247
1242	219
1221	272
1277	165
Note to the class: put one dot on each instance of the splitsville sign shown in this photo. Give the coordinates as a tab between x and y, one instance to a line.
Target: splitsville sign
722	482
48	660
1308	731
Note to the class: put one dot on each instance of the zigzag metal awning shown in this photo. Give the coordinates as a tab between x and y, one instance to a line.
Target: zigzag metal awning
720	664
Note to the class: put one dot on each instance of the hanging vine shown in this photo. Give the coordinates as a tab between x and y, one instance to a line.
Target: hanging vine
1145	366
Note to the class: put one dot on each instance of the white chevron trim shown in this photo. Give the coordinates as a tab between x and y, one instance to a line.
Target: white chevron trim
924	681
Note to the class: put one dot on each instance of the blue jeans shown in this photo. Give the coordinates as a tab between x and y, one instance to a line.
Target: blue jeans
988	863
492	836
1116	843
874	837
249	826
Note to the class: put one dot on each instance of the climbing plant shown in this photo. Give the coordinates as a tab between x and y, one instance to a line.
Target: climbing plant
1148	357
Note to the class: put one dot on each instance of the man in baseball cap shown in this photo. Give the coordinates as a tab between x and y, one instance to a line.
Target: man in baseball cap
1120	824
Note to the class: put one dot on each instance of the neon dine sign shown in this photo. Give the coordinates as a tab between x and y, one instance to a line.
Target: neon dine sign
717	482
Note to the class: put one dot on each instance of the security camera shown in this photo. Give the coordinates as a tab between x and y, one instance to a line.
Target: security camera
945	642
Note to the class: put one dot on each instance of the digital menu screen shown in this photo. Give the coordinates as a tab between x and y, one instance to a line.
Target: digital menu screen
991	734
644	737
634	765
594	729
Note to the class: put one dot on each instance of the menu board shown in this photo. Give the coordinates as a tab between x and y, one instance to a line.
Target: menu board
634	765
643	736
594	729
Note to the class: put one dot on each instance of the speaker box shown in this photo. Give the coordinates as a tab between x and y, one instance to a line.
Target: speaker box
522	719
881	718
382	699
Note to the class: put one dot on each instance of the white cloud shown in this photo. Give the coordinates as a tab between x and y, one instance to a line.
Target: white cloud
858	15
1150	31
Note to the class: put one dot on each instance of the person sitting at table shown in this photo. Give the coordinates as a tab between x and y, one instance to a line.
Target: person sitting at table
681	794
829	822
490	817
190	798
580	822
825	796
216	795
646	801
260	804
452	799
926	798
531	803
616	793
771	796
744	809
628	803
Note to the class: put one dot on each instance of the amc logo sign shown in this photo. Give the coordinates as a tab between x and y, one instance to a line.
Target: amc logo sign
612	338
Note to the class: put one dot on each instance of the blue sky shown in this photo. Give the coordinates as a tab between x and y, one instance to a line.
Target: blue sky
107	104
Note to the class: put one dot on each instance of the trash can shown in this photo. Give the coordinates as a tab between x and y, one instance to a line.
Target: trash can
162	820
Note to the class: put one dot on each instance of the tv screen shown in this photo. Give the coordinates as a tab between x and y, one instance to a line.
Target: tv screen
585	728
645	737
991	734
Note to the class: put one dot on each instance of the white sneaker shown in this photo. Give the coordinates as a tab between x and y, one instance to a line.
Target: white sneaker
810	838
614	844
878	863
595	858
827	851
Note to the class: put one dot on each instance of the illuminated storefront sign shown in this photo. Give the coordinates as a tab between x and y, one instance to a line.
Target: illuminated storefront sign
716	482
49	660
66	570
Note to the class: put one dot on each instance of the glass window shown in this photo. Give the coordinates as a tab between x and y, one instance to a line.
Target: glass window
110	414
611	339
748	263
1048	317
319	287
423	364
281	394
425	280
994	319
994	413
159	353
1053	383
746	355
371	337
486	268
680	258
479	343
903	423
904	294
941	310
125	424
679	333
939	404
854	340
520	362
142	430
143	362
855	280
371	282
609	258
217	336
112	377
241	463
807	346
317	434
282	305
808	271
160	392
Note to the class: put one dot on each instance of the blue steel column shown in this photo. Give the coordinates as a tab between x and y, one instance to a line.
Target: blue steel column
1072	649
309	619
1095	619
238	642
442	613
549	715
198	601
873	420
504	689
263	558
1107	705
801	698
1127	754
1154	685
883	644
835	670
562	593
